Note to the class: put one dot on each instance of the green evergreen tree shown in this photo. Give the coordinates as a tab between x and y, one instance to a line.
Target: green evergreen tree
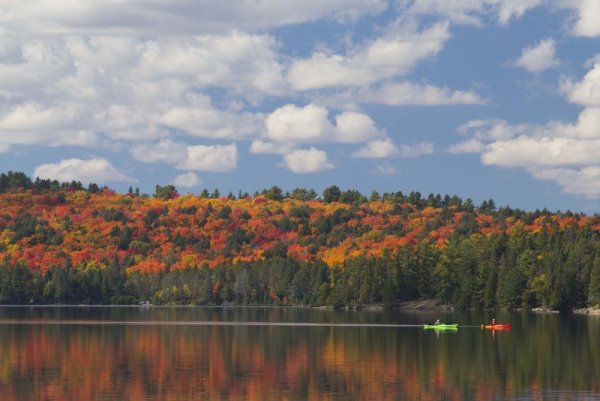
594	286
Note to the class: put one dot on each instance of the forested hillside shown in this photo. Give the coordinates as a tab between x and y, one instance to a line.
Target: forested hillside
63	243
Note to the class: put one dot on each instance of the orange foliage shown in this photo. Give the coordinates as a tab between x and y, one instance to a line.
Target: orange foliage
190	231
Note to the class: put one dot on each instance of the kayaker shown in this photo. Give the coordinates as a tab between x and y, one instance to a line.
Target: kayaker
437	322
493	322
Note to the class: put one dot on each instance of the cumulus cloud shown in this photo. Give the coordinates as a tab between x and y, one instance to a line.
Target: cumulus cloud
408	93
555	143
187	180
237	60
310	124
401	94
395	53
583	182
587	21
200	118
138	74
74	73
587	91
310	160
259	146
165	151
96	170
141	17
469	146
386	169
563	152
87	90
215	158
471	12
539	57
493	129
353	127
527	151
291	123
33	124
386	148
377	149
590	62
509	9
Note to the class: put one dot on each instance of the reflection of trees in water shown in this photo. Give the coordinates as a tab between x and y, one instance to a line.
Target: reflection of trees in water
134	363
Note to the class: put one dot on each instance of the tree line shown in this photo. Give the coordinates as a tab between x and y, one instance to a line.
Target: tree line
465	255
499	271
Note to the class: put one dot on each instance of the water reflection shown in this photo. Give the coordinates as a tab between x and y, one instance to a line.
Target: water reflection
543	357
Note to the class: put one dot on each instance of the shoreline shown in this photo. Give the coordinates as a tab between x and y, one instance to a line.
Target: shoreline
422	305
594	311
418	305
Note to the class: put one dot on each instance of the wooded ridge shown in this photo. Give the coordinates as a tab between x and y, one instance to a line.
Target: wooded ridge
66	243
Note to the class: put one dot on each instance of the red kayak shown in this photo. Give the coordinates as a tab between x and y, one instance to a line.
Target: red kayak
497	326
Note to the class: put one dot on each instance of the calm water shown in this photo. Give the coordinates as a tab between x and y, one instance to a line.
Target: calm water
186	354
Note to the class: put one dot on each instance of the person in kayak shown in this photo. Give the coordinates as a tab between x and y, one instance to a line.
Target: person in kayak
437	322
493	322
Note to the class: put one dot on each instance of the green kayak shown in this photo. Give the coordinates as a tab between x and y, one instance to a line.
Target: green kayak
441	326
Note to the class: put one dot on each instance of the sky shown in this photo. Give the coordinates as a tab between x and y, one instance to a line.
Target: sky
480	98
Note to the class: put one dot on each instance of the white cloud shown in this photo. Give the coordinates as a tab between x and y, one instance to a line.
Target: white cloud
509	9
259	146
563	152
469	146
471	12
291	123
32	124
352	127
165	151
587	126
527	151
539	57
199	118
73	72
377	149
590	62
143	17
583	182
395	53
215	158
493	129
587	91
89	90
310	124
187	180
386	169
96	170
238	60
587	23
526	145
423	148
386	148
402	93
408	93
307	161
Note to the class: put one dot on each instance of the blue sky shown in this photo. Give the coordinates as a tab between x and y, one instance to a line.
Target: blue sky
481	98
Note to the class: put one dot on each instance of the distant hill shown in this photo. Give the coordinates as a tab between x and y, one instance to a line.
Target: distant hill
63	243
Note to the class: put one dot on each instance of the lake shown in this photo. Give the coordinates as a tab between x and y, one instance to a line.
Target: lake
254	353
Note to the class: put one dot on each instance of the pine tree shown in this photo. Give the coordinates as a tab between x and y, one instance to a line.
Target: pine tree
594	287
